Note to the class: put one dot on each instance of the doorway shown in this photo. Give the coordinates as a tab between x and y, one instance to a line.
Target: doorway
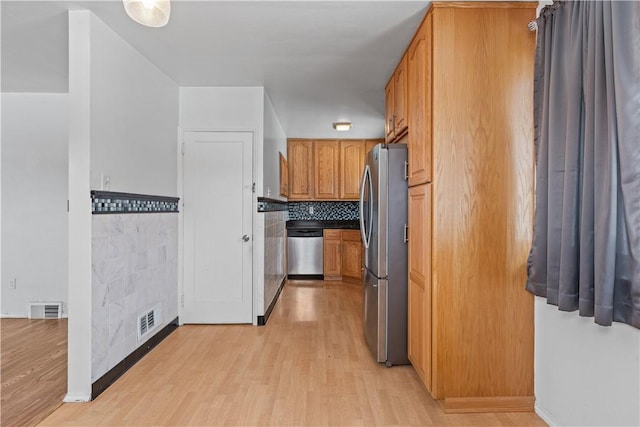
217	214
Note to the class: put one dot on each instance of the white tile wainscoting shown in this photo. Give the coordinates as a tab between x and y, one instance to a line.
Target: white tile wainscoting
134	268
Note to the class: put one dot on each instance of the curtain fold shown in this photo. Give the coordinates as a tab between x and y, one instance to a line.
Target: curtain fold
585	254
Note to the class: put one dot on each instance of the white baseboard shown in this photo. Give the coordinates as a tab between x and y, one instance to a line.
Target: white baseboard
546	416
74	398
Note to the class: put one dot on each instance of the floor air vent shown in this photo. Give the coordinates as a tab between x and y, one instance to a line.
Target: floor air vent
147	321
45	310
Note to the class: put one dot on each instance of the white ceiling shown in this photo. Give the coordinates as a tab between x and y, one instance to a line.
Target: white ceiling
320	61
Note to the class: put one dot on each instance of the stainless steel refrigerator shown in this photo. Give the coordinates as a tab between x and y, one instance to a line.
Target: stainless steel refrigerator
383	220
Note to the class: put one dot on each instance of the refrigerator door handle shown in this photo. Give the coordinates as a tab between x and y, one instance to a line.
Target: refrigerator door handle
365	238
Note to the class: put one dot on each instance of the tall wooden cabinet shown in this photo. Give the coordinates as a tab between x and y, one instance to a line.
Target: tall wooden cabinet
471	158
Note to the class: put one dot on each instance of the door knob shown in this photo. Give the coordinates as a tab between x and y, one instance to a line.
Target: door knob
245	238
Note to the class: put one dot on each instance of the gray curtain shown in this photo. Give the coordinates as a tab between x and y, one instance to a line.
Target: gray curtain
586	246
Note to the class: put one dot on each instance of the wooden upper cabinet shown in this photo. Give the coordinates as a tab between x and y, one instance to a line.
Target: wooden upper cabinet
369	144
400	97
419	104
300	154
284	176
326	155
351	166
389	106
396	107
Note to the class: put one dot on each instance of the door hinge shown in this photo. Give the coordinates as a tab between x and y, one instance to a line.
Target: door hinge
406	170
253	188
67	205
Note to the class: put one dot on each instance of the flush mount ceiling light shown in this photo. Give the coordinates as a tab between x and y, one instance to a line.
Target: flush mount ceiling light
342	126
152	13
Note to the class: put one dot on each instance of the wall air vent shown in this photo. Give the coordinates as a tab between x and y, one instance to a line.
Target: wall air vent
45	310
148	321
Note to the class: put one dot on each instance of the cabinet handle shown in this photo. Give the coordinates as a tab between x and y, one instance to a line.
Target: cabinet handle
406	170
406	233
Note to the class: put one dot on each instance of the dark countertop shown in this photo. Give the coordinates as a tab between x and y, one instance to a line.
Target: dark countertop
319	224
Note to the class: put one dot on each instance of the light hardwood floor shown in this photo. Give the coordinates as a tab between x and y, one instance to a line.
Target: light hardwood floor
308	366
33	369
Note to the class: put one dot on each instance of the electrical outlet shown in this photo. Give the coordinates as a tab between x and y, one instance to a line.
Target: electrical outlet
12	283
310	210
106	182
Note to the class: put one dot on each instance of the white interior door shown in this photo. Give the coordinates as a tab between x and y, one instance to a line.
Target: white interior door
217	194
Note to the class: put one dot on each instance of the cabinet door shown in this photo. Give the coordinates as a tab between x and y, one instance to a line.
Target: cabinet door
327	163
369	144
351	166
419	105
351	254
389	106
332	255
300	154
419	317
400	106
284	176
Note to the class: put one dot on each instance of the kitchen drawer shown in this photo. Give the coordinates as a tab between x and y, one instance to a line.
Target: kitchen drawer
351	235
332	234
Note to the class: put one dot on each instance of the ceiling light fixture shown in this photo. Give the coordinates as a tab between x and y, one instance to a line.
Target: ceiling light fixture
342	126
152	13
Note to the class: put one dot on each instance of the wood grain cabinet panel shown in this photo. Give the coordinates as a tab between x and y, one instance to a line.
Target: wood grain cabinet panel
326	169
300	158
471	164
351	165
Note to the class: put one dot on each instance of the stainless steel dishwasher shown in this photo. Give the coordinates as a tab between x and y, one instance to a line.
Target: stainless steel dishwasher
305	253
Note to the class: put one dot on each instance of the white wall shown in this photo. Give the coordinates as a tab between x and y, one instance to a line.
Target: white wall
275	142
34	200
134	117
123	121
585	374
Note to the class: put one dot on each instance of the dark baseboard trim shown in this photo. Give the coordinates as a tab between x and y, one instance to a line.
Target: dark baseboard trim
102	383
262	320
306	277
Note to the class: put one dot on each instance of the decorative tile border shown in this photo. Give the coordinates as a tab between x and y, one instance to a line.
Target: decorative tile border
324	211
271	205
109	202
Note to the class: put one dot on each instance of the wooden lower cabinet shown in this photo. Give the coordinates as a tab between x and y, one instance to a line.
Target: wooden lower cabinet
342	255
351	255
419	315
332	255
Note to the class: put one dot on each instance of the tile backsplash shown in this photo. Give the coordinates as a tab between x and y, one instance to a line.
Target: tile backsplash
324	211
